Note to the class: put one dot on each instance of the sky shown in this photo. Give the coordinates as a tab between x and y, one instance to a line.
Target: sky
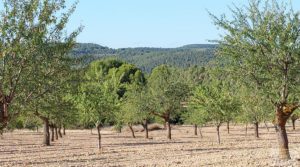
150	23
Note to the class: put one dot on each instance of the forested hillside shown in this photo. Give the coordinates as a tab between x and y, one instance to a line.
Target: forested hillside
148	58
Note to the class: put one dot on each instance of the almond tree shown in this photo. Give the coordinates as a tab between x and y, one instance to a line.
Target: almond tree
136	109
31	43
262	43
167	90
215	102
255	108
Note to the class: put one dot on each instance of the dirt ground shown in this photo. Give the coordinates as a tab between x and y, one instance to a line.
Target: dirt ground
79	148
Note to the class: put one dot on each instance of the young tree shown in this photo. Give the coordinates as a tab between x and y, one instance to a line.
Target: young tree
167	90
262	43
214	98
255	108
195	116
97	104
137	109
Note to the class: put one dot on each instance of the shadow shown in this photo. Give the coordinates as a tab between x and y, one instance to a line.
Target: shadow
216	149
48	162
149	143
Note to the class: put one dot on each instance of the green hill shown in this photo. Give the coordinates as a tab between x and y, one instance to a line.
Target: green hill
147	58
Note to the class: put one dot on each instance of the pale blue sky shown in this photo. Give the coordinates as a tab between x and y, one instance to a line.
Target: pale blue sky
150	23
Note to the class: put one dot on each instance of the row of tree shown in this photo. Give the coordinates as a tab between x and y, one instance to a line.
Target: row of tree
257	71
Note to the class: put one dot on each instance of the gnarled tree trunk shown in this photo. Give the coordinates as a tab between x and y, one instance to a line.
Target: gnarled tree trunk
283	112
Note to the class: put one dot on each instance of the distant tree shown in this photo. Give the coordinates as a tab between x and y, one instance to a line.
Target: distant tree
294	118
196	116
255	108
137	108
214	99
262	44
96	104
100	93
167	90
194	76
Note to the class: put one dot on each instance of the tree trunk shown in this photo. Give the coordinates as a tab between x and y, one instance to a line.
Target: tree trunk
99	136
266	125
169	129
145	126
218	134
56	133
282	115
227	127
293	122
52	132
64	130
91	131
59	132
3	114
200	132
283	143
246	129
46	141
256	129
37	129
132	131
195	130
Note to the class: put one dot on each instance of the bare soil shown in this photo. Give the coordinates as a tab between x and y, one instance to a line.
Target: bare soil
79	148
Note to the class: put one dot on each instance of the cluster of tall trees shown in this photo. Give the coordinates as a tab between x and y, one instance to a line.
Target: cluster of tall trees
254	80
148	58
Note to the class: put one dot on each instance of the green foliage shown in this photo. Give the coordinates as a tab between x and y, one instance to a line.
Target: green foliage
33	48
148	58
255	106
105	84
167	90
263	47
214	102
136	108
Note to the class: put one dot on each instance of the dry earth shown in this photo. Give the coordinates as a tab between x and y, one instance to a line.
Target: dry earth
79	148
